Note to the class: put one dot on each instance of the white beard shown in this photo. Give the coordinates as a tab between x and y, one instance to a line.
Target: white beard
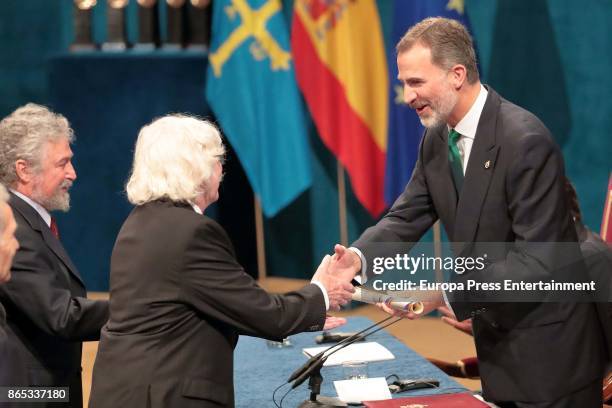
60	200
441	109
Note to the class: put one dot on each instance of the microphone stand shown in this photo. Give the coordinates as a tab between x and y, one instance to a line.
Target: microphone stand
314	384
313	371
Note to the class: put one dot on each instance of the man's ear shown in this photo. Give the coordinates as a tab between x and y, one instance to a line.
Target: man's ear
24	171
458	75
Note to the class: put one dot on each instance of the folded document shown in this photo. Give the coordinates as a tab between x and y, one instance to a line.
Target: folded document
369	351
459	400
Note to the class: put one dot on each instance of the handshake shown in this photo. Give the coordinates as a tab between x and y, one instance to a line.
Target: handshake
335	274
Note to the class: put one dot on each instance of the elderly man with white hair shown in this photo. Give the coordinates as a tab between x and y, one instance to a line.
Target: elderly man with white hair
179	297
47	311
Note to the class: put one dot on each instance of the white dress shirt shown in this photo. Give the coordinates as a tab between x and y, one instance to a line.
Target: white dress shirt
467	127
42	211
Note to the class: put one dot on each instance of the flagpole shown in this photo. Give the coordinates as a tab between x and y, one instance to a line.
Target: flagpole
342	204
438	250
259	234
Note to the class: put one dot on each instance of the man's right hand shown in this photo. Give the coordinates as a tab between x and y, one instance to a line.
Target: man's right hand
345	264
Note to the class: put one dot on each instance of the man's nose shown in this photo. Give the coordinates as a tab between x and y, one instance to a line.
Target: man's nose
409	95
71	172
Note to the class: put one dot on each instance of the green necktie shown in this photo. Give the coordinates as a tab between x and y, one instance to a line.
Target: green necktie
454	158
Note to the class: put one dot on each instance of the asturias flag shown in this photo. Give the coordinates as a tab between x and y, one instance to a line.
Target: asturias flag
252	91
341	69
405	130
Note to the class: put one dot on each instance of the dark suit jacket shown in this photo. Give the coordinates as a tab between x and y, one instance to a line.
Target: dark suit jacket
48	314
11	371
598	258
527	351
179	300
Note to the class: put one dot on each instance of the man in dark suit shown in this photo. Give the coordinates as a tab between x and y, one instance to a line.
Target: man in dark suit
598	259
48	314
490	171
180	299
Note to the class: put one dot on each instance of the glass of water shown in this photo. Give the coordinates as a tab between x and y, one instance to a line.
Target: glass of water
355	370
286	342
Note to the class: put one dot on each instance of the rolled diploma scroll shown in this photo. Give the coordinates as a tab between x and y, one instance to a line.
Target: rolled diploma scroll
398	303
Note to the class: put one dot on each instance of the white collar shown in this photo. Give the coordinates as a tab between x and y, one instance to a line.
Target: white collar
42	211
196	208
469	123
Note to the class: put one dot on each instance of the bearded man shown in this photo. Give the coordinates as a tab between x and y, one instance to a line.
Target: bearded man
492	173
48	314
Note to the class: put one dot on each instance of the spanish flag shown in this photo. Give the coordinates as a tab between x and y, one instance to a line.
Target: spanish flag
606	222
341	69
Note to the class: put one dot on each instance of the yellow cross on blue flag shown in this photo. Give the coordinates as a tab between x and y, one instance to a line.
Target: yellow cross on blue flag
252	91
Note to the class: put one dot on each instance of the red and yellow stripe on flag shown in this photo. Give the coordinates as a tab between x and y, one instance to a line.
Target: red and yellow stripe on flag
606	222
341	69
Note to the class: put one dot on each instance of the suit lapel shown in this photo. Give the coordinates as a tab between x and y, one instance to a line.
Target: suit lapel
478	173
58	249
38	224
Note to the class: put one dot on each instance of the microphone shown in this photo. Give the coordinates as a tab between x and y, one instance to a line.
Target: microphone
328	337
314	358
364	295
317	361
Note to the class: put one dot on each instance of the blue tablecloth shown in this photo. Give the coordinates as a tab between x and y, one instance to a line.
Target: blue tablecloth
259	369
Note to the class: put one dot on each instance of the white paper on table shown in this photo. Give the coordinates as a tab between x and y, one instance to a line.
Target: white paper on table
369	351
366	389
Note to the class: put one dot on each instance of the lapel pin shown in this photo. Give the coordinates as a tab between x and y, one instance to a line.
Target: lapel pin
487	164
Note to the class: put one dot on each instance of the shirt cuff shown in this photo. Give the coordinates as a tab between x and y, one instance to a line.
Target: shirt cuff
362	278
320	285
447	302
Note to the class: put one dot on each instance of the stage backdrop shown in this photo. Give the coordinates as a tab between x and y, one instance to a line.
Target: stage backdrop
553	57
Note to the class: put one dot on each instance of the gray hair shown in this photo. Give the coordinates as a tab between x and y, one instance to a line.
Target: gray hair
174	158
449	42
24	135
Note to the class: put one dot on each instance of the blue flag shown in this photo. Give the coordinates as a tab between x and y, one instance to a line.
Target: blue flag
405	129
251	89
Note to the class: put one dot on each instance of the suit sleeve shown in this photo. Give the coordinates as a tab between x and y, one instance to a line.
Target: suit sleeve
36	292
216	285
411	215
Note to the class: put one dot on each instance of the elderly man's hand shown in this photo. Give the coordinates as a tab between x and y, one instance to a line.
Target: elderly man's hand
332	322
345	264
338	287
